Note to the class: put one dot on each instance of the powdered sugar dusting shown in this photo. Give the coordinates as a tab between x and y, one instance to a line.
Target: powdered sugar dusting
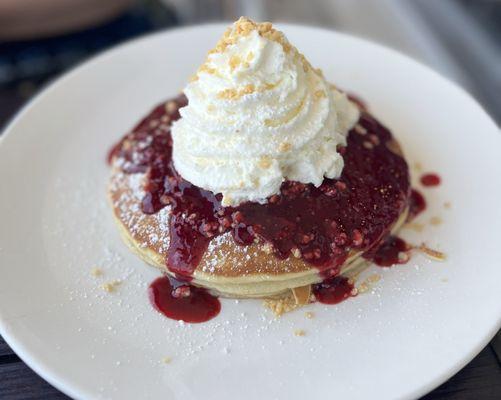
151	231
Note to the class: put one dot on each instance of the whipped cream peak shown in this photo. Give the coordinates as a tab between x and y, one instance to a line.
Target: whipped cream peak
258	114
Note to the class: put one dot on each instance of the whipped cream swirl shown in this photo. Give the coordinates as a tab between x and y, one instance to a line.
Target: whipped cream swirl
259	114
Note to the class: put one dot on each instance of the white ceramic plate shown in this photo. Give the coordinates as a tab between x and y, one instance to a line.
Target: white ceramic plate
418	325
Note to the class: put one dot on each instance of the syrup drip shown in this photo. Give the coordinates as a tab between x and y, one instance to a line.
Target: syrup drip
430	180
417	204
393	250
333	290
182	302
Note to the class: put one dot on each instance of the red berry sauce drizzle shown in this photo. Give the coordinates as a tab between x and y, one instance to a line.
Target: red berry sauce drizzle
417	204
180	301
352	213
333	290
430	180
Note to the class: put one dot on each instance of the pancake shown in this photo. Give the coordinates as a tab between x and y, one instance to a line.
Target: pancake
175	226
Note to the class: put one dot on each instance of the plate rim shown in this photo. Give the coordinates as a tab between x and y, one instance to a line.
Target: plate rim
41	367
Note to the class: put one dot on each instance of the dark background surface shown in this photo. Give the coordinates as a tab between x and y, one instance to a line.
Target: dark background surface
26	66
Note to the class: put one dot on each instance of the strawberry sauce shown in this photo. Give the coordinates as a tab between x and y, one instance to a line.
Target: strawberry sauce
417	204
391	251
430	180
322	224
333	290
182	302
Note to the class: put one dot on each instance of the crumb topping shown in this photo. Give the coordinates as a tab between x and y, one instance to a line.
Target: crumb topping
234	94
293	299
284	146
236	61
110	286
296	252
360	129
265	162
319	94
415	226
267	248
242	28
430	253
171	107
435	220
368	145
